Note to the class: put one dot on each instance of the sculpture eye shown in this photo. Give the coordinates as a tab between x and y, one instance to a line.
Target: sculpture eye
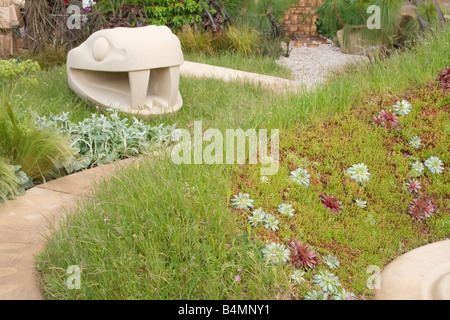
100	49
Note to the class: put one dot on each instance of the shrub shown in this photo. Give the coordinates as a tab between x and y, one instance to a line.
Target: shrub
12	72
161	12
104	139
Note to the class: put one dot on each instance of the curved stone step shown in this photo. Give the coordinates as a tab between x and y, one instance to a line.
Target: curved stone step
420	274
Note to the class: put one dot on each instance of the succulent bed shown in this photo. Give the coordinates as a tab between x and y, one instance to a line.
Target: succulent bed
353	191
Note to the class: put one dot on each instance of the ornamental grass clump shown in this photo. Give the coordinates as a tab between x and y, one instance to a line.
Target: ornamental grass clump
13	181
39	151
301	256
8	182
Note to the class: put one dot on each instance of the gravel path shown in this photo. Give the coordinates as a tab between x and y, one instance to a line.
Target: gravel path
313	65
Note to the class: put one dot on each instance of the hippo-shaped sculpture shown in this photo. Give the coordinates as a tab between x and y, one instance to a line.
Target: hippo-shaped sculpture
136	69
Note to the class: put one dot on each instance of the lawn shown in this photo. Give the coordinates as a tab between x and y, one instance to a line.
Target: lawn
171	231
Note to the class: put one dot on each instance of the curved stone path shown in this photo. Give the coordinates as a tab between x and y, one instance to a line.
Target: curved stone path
22	223
25	221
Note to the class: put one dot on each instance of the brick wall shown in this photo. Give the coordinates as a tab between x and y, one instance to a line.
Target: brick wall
300	19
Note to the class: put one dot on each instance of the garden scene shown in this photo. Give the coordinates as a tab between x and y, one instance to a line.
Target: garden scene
347	100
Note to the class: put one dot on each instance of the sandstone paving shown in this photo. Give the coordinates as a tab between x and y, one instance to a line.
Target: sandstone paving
420	274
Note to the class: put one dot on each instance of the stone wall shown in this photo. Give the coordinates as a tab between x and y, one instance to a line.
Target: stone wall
300	20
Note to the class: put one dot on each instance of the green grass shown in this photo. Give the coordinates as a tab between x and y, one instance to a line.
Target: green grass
52	95
171	232
170	245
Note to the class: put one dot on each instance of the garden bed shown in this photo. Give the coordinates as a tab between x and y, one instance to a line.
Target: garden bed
360	224
167	231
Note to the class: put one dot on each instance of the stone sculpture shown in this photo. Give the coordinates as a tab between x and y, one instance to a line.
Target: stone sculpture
136	69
